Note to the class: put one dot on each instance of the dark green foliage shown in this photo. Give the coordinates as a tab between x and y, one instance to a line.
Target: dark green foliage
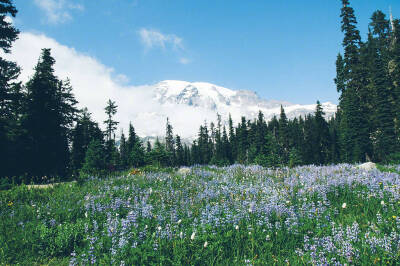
322	141
170	143
180	158
47	122
123	151
158	156
10	96
94	159
84	132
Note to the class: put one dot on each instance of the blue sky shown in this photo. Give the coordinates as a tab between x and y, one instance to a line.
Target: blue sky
283	50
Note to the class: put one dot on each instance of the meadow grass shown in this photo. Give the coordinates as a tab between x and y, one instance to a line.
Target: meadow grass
232	215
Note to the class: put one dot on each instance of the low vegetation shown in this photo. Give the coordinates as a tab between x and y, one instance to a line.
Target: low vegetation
208	215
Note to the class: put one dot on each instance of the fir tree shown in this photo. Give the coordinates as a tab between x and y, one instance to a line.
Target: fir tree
111	125
384	138
180	160
354	121
322	137
123	151
169	142
10	96
111	152
48	117
84	132
94	159
284	135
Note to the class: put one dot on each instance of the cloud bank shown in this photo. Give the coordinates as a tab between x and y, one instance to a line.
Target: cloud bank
94	83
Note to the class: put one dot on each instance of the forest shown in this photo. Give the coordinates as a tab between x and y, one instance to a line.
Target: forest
44	135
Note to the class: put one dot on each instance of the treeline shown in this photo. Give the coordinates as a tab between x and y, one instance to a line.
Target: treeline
43	134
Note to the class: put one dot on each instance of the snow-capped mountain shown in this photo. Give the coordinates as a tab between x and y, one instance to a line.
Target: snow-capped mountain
225	101
191	104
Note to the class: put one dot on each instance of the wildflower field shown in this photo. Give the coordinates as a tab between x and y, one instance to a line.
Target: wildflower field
233	215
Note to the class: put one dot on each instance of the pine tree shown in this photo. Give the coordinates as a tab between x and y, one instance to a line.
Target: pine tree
111	125
242	141
94	159
232	155
284	135
322	137
47	121
158	156
169	142
123	151
179	152
84	132
10	96
384	138
148	146
111	152
354	124
132	139
340	79
394	71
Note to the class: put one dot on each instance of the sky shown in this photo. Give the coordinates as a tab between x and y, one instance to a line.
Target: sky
283	50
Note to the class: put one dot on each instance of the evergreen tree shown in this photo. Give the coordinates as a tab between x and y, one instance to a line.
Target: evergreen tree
232	155
84	132
111	125
158	156
242	141
148	147
10	96
394	71
111	152
94	159
123	151
354	125
169	142
322	137
272	155
48	118
384	138
180	160
284	135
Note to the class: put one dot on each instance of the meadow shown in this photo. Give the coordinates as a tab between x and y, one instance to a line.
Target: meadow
239	215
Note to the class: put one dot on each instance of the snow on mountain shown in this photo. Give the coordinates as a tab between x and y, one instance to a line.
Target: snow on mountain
191	104
226	101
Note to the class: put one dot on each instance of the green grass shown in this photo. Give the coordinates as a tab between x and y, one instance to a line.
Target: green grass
44	226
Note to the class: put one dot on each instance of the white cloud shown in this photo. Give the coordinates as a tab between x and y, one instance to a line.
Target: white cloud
155	39
94	83
58	11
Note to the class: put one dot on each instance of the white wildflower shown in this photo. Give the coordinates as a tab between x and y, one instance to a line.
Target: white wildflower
193	236
205	244
179	222
86	214
159	228
382	203
181	235
237	227
344	205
